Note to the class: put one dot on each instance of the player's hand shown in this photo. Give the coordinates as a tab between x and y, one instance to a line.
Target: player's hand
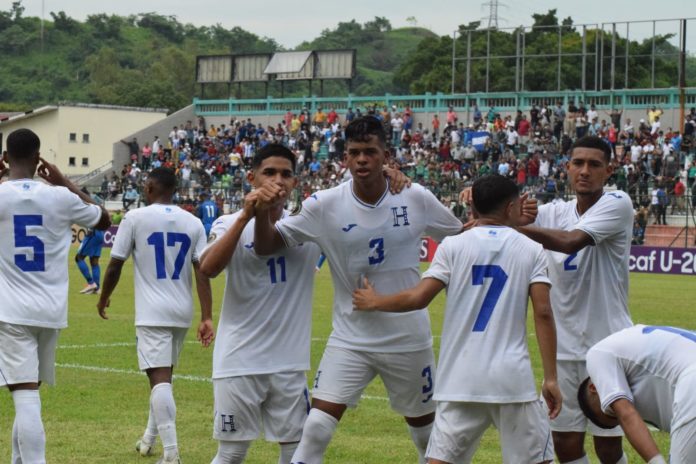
465	196
397	179
529	210
205	333
101	306
364	298
269	195
249	208
552	395
50	173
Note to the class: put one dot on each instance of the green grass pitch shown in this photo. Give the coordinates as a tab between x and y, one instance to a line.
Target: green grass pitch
98	409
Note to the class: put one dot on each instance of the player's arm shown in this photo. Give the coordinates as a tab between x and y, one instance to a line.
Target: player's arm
216	257
51	174
111	278
635	429
267	239
417	297
205	332
397	179
545	329
564	241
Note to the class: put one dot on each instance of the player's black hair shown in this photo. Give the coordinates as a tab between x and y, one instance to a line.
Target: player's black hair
489	193
22	144
273	149
592	141
164	177
584	403
360	129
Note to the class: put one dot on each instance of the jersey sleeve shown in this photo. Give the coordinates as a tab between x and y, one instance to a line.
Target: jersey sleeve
540	273
200	242
84	214
440	268
217	230
125	238
304	226
441	222
608	376
607	218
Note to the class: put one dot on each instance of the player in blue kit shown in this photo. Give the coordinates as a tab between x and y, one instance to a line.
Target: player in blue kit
207	211
91	247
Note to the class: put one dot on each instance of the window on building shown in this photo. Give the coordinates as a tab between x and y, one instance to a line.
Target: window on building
85	162
71	161
73	137
85	138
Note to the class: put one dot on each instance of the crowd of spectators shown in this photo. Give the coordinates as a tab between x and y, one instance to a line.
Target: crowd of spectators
655	165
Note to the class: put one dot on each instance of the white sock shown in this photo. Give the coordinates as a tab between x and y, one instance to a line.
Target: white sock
582	460
420	437
316	435
31	438
16	457
231	452
623	460
150	435
164	409
286	452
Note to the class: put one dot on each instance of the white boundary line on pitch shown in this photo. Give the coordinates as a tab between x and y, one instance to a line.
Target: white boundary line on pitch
193	378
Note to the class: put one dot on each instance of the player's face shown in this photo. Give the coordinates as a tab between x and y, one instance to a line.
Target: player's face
365	159
274	169
588	170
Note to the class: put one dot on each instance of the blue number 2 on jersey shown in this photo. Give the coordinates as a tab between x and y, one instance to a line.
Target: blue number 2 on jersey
156	239
568	263
479	273
21	239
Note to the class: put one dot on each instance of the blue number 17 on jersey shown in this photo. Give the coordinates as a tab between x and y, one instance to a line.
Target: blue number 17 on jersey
479	273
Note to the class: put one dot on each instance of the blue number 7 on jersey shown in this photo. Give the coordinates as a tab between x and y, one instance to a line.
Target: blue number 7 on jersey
490	271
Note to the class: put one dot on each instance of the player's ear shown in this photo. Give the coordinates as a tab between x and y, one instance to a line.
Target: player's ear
250	175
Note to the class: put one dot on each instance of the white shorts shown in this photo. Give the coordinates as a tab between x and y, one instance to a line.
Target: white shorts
158	346
27	354
683	436
343	374
525	434
571	418
278	403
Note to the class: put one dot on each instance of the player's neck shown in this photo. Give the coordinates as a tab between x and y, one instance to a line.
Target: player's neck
163	200
492	221
19	172
370	191
586	201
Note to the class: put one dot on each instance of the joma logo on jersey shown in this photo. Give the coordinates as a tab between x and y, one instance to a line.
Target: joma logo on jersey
398	217
227	423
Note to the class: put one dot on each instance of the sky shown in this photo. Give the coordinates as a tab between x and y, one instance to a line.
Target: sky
292	22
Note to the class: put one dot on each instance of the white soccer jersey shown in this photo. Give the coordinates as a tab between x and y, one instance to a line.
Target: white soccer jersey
35	221
483	354
265	321
380	242
590	292
644	364
164	241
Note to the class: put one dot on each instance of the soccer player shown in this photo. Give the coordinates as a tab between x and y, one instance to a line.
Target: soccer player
35	223
91	247
208	211
588	241
164	240
364	231
485	374
645	374
263	343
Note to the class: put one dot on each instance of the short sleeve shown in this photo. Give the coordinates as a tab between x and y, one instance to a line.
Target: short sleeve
304	226
440	268
540	273
217	230
125	238
441	222
81	213
200	242
608	377
608	217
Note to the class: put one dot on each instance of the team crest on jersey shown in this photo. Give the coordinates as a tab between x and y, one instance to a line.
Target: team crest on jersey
400	218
